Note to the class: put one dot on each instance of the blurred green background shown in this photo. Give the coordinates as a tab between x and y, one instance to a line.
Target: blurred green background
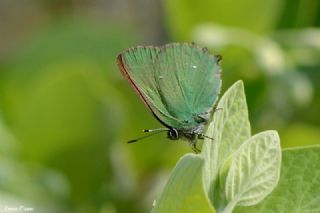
66	112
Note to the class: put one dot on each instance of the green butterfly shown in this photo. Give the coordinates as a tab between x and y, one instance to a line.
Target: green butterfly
179	83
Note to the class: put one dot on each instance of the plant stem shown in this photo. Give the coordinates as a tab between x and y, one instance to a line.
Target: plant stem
230	206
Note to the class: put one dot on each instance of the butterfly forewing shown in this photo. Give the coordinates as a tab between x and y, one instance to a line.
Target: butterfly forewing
138	65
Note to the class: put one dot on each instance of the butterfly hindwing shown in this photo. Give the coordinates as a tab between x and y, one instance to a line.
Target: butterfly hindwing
190	81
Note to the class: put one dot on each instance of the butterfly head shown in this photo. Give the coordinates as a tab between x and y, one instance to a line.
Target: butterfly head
173	134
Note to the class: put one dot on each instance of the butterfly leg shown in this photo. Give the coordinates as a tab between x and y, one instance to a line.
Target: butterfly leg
202	136
195	149
217	109
193	144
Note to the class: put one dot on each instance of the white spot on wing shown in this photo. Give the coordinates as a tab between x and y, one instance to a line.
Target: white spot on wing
160	77
194	67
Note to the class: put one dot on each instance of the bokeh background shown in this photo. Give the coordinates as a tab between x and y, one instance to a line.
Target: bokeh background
66	112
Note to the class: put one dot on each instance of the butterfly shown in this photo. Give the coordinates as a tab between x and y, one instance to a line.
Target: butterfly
178	82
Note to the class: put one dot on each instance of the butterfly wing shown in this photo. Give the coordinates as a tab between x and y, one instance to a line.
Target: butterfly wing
176	81
191	80
137	65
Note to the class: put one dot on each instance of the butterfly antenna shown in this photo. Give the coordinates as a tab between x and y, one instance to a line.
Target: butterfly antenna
154	132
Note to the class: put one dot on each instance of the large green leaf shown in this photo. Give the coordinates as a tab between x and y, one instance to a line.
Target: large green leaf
184	191
254	171
229	129
298	190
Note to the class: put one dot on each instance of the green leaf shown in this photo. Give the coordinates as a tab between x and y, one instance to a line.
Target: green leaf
298	190
184	191
255	170
182	16
229	129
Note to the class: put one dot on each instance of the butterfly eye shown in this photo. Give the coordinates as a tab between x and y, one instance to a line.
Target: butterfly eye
173	134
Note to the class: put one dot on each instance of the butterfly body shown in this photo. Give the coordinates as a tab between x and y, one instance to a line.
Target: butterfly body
178	82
